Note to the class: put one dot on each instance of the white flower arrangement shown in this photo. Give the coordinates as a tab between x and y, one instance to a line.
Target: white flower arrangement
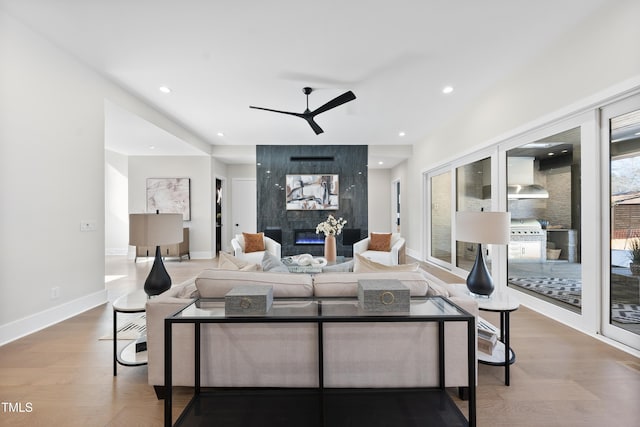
331	227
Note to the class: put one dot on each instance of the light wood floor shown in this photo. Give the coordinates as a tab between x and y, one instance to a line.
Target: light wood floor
561	377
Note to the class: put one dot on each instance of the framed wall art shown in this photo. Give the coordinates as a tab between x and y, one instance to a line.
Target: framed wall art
312	192
169	195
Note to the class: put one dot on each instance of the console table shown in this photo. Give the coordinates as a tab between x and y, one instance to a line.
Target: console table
319	311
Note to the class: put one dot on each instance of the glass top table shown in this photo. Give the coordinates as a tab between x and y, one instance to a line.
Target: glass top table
319	310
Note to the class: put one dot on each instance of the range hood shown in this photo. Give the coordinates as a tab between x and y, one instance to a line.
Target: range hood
521	173
526	191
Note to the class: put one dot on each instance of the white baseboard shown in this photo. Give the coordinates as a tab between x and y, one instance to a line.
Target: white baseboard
30	324
414	254
116	251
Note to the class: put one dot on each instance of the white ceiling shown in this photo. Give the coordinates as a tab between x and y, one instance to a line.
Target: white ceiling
218	57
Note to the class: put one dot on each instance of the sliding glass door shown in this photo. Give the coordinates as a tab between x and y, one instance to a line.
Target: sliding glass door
544	198
621	134
441	214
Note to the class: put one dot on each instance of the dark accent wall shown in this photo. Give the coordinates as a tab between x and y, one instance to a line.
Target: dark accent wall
275	162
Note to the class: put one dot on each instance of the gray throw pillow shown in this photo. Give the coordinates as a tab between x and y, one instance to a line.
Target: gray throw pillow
272	263
344	267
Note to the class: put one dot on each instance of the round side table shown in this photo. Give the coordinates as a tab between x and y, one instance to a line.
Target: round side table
130	303
503	303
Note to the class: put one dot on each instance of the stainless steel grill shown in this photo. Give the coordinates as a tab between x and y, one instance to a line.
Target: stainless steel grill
528	241
526	227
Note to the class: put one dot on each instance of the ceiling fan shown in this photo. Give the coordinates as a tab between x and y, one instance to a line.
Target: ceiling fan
309	115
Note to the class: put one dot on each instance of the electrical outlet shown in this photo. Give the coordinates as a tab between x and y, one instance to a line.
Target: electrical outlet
55	292
87	225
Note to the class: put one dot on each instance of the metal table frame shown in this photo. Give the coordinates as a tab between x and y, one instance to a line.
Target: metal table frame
509	354
133	302
320	320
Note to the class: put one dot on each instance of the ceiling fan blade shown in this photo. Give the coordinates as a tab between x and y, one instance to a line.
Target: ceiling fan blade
335	102
277	111
316	128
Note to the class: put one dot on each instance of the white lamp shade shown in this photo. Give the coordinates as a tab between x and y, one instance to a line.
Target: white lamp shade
483	227
155	229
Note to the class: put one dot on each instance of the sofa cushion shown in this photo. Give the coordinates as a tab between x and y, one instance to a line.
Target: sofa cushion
365	265
229	262
253	242
272	263
215	283
343	267
346	284
380	242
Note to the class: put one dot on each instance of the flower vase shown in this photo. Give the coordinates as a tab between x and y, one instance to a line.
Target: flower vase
330	248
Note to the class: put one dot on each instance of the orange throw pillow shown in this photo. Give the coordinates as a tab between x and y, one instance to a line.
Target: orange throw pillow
253	242
380	242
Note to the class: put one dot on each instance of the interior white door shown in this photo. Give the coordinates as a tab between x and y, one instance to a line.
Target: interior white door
243	205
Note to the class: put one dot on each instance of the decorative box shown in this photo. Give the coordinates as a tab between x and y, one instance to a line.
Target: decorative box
383	295
248	300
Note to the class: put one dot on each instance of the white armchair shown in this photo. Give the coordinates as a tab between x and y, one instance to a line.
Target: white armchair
270	246
394	257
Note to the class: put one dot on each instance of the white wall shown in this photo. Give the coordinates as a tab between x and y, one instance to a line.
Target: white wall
198	169
379	200
600	54
52	177
233	172
116	220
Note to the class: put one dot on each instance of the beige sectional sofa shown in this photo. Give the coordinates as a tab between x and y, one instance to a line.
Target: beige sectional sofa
285	355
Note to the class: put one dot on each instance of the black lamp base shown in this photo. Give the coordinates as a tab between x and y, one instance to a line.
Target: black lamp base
158	280
479	281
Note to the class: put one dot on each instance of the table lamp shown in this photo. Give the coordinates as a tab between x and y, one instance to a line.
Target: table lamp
155	229
482	227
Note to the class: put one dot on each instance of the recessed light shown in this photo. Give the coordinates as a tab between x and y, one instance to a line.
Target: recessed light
152	147
401	133
164	89
565	151
220	134
259	164
381	163
447	89
551	154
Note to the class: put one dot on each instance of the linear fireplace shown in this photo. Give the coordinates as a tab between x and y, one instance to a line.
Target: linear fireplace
307	236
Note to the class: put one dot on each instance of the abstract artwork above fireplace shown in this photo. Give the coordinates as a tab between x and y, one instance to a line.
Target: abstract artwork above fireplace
312	192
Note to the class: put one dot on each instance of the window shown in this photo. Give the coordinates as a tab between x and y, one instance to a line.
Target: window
441	214
473	193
